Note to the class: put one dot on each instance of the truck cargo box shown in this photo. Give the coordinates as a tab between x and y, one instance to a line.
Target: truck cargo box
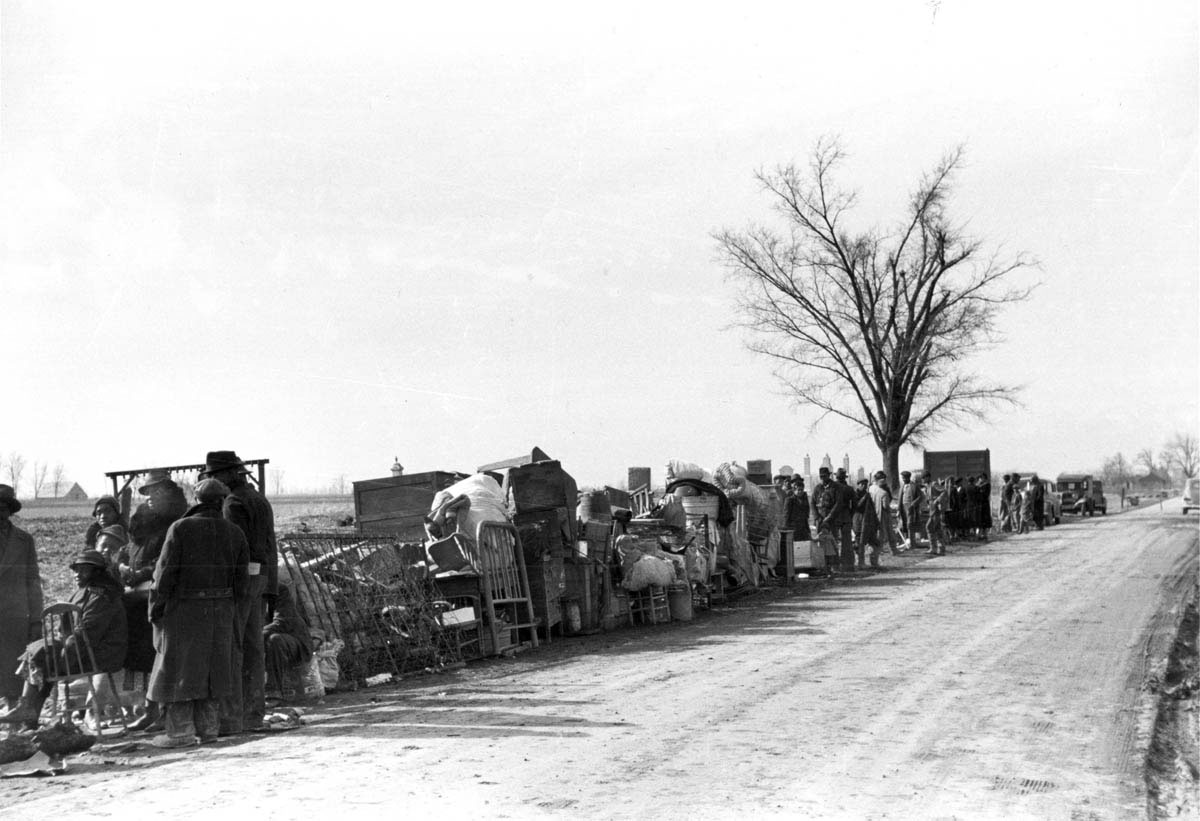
942	464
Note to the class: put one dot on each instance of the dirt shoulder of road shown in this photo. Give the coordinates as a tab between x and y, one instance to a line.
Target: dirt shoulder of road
1172	777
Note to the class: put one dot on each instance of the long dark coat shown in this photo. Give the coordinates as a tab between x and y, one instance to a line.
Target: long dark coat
20	603
251	512
102	621
201	569
985	505
796	516
147	531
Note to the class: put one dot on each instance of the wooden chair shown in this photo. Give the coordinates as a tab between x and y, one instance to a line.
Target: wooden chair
507	605
76	663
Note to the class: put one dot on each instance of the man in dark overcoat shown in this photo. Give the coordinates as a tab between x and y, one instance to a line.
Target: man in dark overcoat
844	519
245	507
20	596
201	571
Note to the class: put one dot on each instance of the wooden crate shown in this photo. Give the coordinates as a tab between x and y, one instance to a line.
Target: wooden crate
397	505
547	585
557	525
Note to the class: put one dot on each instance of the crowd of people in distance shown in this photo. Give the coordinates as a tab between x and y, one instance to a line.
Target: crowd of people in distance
187	595
853	524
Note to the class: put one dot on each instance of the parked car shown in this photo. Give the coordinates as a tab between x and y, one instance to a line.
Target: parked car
1191	495
1053	503
1082	494
1053	508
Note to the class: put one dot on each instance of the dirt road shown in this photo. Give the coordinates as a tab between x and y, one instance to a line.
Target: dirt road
1002	681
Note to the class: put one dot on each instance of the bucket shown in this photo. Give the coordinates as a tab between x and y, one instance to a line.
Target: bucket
697	506
679	599
594	507
574	617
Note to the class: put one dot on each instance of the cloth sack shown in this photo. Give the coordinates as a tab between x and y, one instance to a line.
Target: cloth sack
325	657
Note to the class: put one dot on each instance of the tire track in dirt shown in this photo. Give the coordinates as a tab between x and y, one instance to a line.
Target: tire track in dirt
937	689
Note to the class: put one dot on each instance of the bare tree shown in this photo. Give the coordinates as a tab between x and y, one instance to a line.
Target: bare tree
1182	453
16	468
39	477
1145	458
1117	471
57	478
338	485
873	327
277	482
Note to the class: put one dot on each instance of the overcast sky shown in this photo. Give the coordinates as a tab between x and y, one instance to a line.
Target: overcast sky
334	234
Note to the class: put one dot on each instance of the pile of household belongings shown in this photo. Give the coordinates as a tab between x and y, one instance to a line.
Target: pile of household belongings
734	554
762	511
454	519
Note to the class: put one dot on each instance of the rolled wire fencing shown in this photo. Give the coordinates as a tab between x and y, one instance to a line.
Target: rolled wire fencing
375	595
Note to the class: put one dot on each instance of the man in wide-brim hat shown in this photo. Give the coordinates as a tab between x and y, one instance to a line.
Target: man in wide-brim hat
155	477
165	504
20	595
220	461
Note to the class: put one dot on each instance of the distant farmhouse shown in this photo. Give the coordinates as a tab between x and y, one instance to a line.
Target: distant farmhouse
1151	482
75	494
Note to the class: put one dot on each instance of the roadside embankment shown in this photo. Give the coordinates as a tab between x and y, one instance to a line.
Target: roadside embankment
1173	759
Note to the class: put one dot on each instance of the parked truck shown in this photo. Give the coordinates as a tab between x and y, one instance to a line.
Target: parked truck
1081	493
943	464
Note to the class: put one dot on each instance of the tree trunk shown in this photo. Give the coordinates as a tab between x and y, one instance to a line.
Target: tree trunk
891	466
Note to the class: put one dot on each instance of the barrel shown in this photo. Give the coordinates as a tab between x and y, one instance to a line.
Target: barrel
679	600
594	506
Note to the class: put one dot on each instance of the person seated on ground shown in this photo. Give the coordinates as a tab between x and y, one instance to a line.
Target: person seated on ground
106	534
287	640
101	622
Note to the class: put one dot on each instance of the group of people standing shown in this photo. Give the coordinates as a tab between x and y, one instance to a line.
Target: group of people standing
181	594
1022	508
855	523
852	524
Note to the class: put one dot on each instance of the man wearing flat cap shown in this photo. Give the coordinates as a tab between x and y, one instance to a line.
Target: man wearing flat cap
198	581
251	512
20	596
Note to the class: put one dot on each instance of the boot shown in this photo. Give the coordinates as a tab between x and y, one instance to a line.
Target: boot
149	720
28	709
23	713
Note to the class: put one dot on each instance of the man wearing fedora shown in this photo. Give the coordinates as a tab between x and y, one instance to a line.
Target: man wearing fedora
248	509
165	504
20	596
100	627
